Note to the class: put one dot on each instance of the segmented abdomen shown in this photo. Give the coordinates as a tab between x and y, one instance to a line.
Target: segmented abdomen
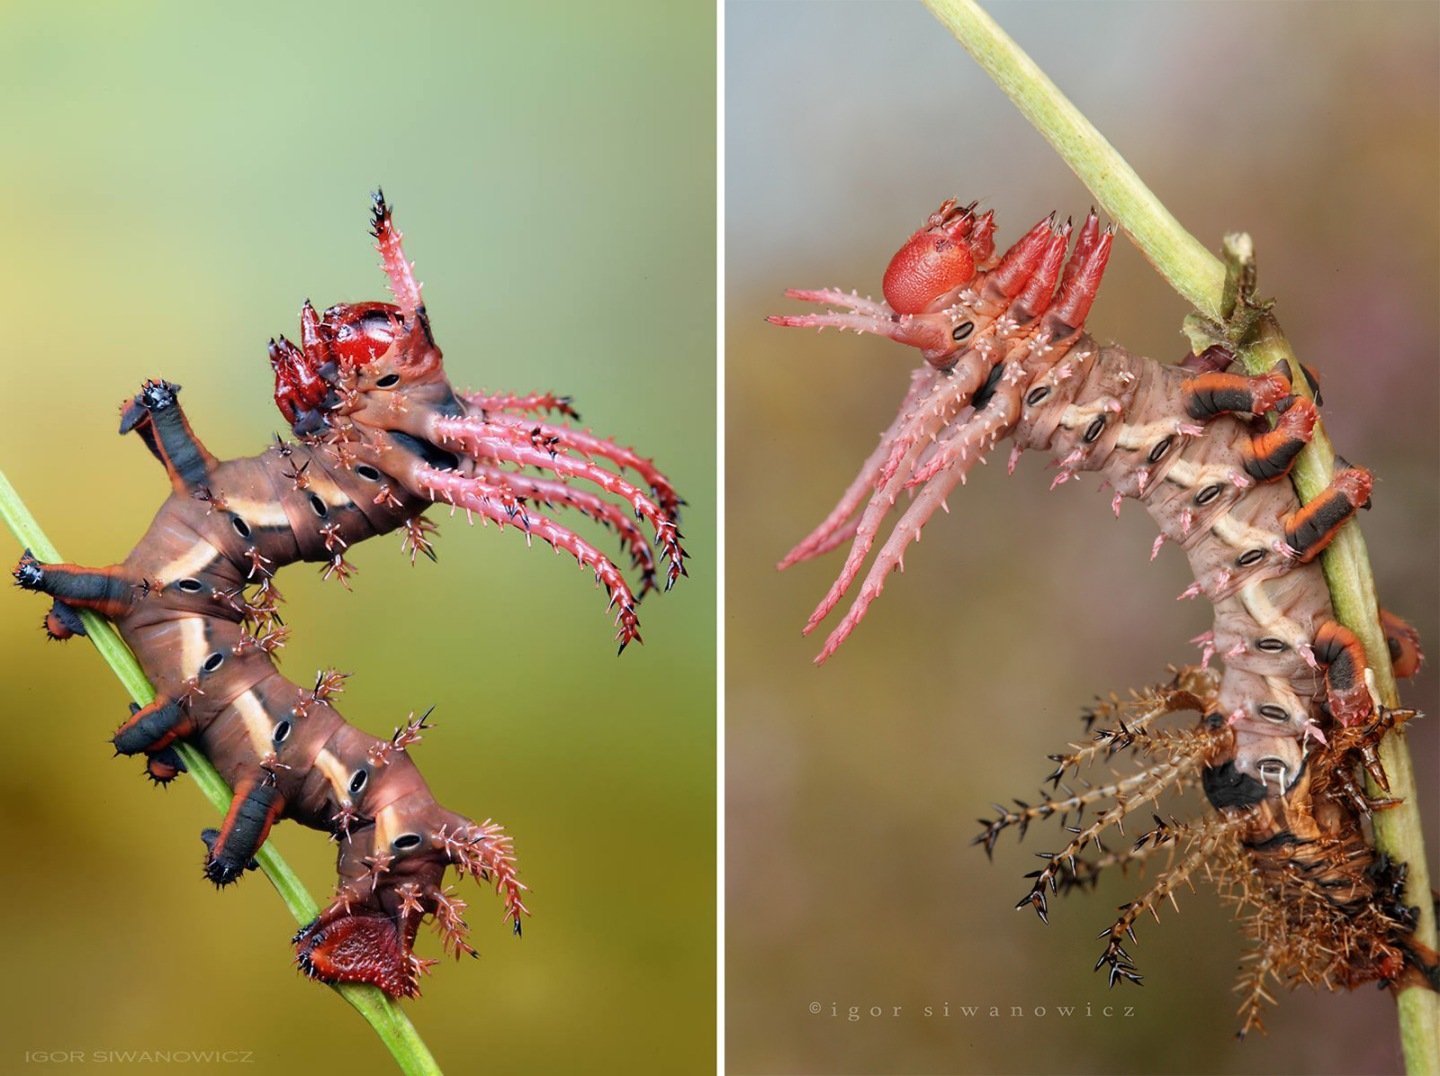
1104	409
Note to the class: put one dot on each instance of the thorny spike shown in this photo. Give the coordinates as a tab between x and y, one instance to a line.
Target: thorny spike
528	403
1020	262
418	530
328	684
590	446
513	443
485	500
401	274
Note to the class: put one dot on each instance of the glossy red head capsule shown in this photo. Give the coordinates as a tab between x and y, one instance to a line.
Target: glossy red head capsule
936	260
357	333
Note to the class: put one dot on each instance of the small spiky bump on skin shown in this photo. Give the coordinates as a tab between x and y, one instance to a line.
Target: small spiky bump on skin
329	683
214	502
259	564
342	820
337	567
377	864
267	641
299	476
404	736
416	539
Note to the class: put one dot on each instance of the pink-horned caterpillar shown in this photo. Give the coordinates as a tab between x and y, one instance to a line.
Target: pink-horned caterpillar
1288	722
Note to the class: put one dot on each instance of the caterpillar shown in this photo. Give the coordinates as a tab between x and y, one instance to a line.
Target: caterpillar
1288	721
381	436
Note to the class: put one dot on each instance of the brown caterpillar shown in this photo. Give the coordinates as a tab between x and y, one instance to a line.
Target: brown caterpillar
1291	716
383	435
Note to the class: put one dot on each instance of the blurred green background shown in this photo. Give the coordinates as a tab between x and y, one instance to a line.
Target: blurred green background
178	179
853	788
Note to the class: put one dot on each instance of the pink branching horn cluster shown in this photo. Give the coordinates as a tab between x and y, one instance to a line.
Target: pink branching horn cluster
368	380
965	309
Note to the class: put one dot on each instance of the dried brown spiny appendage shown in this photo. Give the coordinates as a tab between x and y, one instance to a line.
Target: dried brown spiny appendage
1320	906
1289	722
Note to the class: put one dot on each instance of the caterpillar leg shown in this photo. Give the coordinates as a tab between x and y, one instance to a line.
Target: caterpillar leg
62	622
1310	530
155	414
164	766
1271	454
103	590
256	806
1211	395
1338	649
153	728
1404	644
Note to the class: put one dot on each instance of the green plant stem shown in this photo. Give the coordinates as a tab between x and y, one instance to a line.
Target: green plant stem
1195	272
1201	278
391	1024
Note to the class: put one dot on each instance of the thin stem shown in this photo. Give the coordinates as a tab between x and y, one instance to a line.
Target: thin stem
1181	258
391	1025
1201	278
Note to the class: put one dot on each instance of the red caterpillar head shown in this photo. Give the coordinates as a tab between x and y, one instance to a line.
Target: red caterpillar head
949	295
367	380
939	259
356	348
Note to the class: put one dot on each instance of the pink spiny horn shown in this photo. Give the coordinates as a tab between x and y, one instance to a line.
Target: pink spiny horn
838	527
1040	288
485	853
930	414
929	332
587	444
866	531
552	492
498	503
952	462
1021	260
836	297
965	443
526	445
526	404
1081	281
936	410
401	273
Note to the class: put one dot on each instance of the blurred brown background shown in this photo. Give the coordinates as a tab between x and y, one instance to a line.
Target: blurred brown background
178	179
853	789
